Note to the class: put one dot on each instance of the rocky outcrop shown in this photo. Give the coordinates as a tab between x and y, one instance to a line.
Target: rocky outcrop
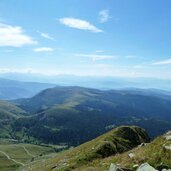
168	136
163	148
146	167
114	167
142	167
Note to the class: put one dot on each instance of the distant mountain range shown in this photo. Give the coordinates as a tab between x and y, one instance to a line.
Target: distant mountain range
12	89
104	83
73	115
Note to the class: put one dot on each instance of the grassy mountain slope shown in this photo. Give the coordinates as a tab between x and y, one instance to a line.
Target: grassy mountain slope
74	115
68	96
154	153
9	110
8	114
116	141
116	102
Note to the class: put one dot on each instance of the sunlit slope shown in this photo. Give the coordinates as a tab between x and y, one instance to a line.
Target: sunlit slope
74	115
116	141
8	114
157	154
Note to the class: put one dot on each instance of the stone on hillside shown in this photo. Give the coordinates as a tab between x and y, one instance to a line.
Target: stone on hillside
114	167
146	167
168	137
166	170
168	133
131	155
167	147
142	144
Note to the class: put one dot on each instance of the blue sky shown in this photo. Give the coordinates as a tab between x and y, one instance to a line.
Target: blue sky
128	38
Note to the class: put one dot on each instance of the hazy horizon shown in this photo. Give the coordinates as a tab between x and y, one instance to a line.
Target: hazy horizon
97	82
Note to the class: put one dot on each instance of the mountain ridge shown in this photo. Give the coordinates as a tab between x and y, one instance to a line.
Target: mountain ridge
76	114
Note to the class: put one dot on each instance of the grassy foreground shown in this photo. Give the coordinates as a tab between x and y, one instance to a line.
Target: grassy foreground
116	141
153	153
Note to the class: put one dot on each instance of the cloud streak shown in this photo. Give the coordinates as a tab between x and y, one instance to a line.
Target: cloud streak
43	49
79	24
95	57
163	62
46	36
14	36
104	16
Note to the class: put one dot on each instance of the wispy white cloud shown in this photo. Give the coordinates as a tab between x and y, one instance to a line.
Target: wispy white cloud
95	57
46	36
79	24
104	16
163	62
14	36
44	49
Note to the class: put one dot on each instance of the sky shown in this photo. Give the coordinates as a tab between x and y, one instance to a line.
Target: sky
123	38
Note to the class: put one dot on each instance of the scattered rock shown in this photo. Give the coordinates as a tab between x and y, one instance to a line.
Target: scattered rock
131	155
168	147
142	167
114	167
168	133
146	167
168	137
142	144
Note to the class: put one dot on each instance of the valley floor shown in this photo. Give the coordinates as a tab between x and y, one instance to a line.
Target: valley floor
14	155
